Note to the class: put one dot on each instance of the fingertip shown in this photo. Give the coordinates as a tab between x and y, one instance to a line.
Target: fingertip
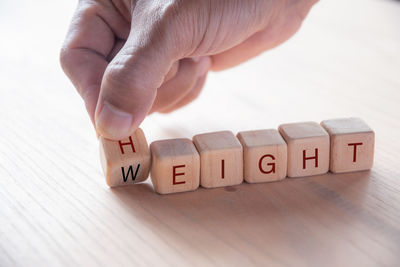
113	123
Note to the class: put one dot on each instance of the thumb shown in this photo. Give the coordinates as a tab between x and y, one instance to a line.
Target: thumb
131	79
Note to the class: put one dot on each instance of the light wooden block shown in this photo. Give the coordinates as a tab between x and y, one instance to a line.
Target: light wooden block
175	166
125	162
352	144
221	159
308	148
264	155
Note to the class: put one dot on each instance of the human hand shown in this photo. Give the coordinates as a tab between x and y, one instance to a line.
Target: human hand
130	58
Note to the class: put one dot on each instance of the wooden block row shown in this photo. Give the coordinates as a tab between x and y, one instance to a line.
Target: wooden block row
223	159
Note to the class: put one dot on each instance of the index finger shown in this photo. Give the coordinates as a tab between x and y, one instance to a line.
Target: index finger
89	41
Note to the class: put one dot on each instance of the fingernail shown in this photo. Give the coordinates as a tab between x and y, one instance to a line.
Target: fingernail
113	123
204	66
196	59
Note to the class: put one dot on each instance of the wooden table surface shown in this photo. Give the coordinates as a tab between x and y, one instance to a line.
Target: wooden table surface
56	210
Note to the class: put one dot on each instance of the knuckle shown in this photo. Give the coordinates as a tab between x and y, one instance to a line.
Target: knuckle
86	9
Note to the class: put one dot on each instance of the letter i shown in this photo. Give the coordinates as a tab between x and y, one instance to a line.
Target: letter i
223	169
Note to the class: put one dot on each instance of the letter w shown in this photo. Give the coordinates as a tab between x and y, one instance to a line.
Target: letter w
130	171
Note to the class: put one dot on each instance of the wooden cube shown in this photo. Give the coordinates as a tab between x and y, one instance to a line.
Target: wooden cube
352	144
175	166
308	148
221	159
125	162
264	155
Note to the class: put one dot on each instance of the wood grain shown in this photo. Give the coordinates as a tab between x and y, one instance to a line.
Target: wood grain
56	210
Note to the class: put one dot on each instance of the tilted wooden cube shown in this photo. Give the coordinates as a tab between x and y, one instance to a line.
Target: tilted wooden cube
308	148
264	155
175	166
221	159
125	162
352	144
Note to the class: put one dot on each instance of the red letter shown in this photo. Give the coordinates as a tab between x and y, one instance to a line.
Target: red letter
127	143
223	169
269	164
174	174
355	150
307	158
